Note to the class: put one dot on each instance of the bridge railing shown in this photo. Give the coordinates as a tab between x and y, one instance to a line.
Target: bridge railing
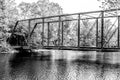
97	29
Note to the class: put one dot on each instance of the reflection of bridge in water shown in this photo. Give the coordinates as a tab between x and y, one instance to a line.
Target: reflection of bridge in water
97	30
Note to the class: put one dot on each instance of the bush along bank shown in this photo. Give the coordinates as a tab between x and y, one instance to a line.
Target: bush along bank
5	47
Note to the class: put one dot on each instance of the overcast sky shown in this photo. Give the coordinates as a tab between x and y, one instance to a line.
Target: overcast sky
74	6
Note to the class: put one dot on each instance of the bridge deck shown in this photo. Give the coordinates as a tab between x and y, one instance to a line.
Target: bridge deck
71	48
83	48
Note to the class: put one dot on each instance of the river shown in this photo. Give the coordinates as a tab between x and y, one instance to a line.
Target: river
61	67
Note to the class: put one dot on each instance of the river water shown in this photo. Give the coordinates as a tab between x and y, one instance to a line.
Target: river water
69	65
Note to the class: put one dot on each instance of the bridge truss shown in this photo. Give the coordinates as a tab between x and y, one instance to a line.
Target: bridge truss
96	30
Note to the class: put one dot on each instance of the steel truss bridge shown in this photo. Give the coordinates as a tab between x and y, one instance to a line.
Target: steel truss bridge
96	30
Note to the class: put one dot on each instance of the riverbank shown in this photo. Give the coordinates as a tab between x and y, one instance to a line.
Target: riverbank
6	48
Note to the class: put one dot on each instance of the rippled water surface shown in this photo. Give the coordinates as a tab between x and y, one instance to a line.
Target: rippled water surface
36	69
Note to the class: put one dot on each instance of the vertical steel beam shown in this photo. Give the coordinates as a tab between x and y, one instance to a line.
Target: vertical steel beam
78	30
62	33
48	35
59	31
28	38
97	32
118	32
17	40
102	29
42	31
29	25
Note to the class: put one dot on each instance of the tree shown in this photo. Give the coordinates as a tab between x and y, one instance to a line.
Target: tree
24	10
8	13
110	4
41	8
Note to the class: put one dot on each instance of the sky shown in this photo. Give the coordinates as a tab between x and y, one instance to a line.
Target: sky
74	6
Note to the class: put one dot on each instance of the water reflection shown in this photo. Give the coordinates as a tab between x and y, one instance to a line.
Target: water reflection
36	69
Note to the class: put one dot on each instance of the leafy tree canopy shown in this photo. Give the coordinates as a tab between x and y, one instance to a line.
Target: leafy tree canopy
41	8
110	4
